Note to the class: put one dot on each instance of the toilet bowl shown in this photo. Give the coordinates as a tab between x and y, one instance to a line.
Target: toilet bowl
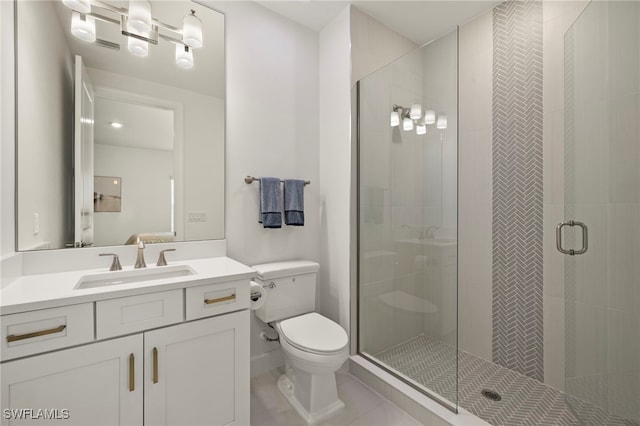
314	346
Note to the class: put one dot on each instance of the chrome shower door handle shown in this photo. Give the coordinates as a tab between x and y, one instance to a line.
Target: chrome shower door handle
585	237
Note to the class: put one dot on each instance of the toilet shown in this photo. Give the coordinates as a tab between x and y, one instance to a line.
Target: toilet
314	346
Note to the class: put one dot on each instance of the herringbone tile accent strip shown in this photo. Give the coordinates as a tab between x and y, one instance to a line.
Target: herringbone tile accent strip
517	187
525	401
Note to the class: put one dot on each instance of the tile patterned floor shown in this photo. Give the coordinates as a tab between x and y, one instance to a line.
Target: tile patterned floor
525	401
364	407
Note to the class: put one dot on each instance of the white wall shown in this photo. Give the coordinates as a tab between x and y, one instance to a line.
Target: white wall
45	83
7	132
145	192
475	187
272	130
335	168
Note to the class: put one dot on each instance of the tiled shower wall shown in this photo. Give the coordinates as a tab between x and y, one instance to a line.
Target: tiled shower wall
476	185
517	187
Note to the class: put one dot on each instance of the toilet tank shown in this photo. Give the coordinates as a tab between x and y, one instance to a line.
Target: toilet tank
290	287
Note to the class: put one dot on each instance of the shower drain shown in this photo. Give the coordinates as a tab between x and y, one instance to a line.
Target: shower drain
492	395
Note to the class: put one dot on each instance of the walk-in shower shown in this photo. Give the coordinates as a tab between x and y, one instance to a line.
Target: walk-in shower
477	283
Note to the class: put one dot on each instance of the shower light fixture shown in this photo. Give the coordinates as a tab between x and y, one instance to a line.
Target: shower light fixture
415	112
395	119
442	122
407	124
429	117
412	117
138	26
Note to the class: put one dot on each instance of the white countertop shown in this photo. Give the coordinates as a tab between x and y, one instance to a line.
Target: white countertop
49	290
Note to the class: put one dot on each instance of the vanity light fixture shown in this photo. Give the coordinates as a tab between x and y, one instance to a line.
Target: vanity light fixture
138	26
83	26
82	6
412	117
184	57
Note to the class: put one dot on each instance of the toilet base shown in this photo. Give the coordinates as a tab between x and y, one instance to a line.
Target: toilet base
287	389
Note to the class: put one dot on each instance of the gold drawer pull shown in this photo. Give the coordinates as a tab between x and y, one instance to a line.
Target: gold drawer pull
155	365
16	337
219	299
132	373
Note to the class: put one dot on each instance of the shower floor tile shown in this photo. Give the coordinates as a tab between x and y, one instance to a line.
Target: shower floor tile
525	401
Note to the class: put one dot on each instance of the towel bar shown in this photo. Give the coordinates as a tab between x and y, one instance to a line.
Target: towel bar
251	179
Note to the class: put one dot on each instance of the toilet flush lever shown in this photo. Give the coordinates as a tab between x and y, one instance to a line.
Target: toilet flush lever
271	285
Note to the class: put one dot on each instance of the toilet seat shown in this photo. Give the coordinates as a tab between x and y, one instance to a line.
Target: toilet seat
313	333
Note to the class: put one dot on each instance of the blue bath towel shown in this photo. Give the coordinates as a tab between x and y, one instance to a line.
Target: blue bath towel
270	203
294	202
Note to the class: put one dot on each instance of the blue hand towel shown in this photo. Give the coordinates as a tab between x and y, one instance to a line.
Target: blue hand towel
270	203
294	202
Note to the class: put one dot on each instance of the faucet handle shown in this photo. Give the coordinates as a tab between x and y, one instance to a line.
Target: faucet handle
115	265
162	261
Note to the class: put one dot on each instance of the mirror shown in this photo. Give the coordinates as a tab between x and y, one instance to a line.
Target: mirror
113	147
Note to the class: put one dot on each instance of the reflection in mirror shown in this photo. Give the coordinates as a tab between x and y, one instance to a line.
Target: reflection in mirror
90	113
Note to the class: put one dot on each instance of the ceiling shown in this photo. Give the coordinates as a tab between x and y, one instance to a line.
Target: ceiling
143	126
420	21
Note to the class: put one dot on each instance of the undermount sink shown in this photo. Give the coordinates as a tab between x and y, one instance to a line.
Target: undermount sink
133	276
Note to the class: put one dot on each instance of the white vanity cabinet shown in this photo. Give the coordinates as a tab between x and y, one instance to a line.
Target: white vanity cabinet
147	365
96	384
198	372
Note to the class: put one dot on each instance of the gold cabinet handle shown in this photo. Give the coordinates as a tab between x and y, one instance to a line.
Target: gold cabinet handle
16	337
155	365
132	373
219	299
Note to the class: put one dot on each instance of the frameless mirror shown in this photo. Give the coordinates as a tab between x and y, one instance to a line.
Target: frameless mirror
120	123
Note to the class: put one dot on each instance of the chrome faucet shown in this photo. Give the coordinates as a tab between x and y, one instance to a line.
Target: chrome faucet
140	257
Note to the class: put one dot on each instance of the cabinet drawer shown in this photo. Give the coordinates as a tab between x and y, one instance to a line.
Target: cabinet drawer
30	333
214	299
126	315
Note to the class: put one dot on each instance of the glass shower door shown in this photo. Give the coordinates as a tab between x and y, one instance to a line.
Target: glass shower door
407	225
602	190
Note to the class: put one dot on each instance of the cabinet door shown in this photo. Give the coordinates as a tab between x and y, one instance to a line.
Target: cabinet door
96	384
197	373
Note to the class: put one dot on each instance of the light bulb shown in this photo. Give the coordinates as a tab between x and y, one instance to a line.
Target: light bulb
184	56
192	30
139	19
395	119
421	129
138	47
429	116
82	6
407	124
416	111
442	122
83	27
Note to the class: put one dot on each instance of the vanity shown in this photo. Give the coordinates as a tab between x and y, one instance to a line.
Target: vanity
127	148
164	345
